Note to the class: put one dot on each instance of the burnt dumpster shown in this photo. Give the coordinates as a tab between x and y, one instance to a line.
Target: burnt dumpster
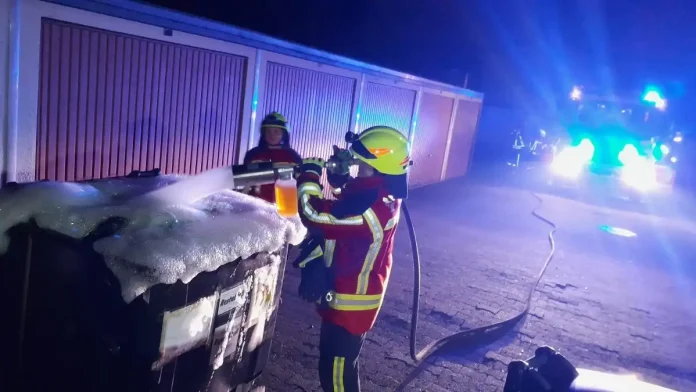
101	296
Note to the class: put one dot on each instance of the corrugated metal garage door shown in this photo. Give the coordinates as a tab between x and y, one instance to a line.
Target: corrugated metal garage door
386	105
318	106
463	135
430	140
110	103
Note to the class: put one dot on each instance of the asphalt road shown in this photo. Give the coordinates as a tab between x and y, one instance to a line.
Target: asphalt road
607	302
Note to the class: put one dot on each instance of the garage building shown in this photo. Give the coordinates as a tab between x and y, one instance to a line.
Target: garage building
98	88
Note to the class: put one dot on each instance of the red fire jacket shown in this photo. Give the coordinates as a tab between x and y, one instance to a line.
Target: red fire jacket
358	230
269	154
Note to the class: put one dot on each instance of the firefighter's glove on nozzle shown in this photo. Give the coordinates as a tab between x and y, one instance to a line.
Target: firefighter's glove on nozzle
338	167
314	165
340	162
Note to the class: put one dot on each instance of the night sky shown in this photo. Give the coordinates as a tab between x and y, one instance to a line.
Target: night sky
511	49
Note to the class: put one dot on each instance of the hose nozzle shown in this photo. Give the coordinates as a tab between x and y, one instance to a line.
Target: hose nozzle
341	161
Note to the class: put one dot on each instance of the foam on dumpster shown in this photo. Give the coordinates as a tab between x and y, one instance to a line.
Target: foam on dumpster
158	244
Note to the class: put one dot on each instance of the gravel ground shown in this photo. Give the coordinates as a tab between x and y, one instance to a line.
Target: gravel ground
609	303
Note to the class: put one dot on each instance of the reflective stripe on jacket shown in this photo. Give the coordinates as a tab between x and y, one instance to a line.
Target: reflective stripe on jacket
358	231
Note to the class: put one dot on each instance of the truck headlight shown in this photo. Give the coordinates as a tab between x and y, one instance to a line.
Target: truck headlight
629	154
570	161
639	174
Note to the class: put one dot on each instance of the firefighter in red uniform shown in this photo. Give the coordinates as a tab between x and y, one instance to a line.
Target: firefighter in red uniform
347	259
274	146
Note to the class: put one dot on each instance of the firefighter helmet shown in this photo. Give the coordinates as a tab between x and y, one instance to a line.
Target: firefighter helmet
275	120
383	148
387	151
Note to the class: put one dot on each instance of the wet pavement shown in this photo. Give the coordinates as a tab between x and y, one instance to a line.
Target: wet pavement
624	304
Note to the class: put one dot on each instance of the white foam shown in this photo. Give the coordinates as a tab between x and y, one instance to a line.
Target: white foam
159	245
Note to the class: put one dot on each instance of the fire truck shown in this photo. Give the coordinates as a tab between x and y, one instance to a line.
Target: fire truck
625	145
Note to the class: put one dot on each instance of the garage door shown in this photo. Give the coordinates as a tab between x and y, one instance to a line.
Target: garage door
463	136
318	106
430	140
387	105
110	103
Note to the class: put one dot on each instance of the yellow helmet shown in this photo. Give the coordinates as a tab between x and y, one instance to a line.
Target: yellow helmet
383	148
275	120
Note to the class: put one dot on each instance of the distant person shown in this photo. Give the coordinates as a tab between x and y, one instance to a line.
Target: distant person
274	146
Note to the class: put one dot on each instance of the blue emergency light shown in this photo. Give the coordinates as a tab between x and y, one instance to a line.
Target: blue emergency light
653	96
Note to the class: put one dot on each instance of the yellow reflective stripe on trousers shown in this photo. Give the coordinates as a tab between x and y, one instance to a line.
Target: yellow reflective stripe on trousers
377	235
354	302
322	217
315	254
329	247
339	366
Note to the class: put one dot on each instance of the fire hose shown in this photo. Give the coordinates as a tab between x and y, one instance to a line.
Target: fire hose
431	348
548	370
267	172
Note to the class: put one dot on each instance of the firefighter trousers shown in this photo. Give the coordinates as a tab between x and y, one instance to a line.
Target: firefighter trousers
338	359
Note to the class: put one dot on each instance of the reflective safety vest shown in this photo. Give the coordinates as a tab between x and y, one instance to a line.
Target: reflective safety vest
358	233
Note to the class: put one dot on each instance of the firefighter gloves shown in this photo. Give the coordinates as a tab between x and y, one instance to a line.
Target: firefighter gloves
314	165
340	161
337	180
338	167
314	284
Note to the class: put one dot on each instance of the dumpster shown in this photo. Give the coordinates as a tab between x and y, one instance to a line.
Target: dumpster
103	297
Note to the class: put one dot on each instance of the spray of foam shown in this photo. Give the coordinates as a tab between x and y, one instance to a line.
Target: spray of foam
189	190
